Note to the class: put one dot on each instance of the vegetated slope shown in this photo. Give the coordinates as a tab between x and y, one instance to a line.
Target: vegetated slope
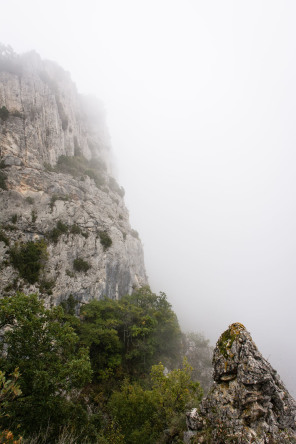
64	225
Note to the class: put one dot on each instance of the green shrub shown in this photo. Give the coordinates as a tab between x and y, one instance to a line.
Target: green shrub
46	286
152	415
81	265
9	227
4	113
78	166
69	305
14	218
54	198
75	229
55	233
62	227
34	216
4	238
29	259
105	239
70	273
3	181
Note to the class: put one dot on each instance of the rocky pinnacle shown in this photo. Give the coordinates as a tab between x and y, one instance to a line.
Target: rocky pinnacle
247	402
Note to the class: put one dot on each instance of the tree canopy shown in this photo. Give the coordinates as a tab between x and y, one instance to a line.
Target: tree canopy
111	374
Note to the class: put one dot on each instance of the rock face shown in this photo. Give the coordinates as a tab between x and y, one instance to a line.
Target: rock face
247	403
64	225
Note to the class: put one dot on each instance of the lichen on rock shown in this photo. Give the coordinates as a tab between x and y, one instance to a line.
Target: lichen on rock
247	403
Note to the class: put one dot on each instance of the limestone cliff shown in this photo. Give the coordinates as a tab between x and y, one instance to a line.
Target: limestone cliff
248	402
64	225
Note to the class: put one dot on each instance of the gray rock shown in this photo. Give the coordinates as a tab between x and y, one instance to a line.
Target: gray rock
48	119
247	402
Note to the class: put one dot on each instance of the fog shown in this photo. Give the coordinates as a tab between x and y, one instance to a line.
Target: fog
201	107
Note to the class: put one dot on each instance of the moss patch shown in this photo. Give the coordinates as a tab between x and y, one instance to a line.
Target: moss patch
228	337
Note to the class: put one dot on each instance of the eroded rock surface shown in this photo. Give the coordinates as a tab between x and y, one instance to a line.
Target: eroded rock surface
56	185
248	402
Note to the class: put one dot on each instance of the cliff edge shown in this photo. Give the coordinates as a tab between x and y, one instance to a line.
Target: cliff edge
64	227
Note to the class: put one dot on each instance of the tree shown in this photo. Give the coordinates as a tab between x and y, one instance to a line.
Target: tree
144	414
130	335
52	368
9	389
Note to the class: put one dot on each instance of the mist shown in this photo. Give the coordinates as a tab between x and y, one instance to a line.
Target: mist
200	99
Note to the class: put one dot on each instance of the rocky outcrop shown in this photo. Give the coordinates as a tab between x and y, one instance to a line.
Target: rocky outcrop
64	225
248	402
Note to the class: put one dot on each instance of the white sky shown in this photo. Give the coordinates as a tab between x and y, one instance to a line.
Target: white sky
201	106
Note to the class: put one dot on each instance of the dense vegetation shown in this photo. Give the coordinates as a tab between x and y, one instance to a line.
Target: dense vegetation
99	377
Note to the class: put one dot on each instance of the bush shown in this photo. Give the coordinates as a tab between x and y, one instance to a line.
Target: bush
54	198
145	415
14	218
75	229
78	166
46	286
9	227
3	181
56	232
4	238
29	259
81	265
105	239
62	227
4	113
34	216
